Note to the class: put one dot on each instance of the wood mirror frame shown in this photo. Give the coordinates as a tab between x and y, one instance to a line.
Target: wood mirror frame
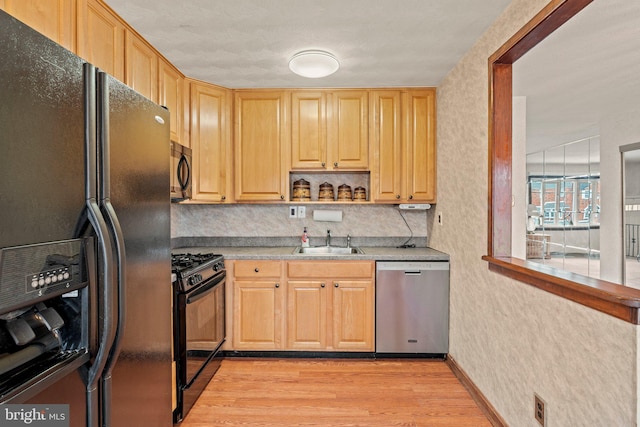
613	299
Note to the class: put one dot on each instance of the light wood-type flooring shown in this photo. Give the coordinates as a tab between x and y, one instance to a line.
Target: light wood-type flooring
336	392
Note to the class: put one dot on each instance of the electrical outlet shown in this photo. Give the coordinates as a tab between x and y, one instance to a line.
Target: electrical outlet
439	218
293	212
539	410
302	211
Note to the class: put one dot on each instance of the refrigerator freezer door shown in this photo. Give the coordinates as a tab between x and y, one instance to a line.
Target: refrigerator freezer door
41	128
42	163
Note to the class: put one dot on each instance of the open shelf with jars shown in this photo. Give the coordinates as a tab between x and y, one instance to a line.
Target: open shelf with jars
315	187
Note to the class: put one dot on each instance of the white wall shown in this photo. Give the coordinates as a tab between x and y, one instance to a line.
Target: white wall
614	131
510	338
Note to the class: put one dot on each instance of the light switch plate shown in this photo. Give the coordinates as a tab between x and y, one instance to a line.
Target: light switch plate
293	212
302	211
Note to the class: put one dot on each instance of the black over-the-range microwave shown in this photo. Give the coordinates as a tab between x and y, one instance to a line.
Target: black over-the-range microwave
180	172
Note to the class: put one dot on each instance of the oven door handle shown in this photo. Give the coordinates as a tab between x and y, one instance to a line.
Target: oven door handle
206	289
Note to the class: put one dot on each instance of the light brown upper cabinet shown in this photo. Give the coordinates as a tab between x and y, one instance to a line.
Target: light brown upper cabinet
308	130
261	142
404	146
171	94
348	130
329	130
387	145
210	142
54	19
101	37
420	145
141	66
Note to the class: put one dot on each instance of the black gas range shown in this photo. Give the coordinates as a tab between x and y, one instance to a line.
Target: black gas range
194	269
198	324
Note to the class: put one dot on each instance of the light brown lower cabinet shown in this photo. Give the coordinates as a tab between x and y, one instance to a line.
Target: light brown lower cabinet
310	306
258	305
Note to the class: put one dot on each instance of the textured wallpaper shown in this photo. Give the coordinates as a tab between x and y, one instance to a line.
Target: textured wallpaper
510	338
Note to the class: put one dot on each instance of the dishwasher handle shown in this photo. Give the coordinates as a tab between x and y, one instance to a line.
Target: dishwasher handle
413	273
412	267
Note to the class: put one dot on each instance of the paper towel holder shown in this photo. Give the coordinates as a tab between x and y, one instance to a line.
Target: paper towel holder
327	215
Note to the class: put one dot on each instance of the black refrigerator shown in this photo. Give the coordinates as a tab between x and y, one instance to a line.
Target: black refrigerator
85	274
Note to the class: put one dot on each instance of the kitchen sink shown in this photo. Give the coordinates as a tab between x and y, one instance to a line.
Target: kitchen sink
327	250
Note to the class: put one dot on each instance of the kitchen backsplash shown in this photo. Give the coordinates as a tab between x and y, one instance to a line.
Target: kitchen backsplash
241	221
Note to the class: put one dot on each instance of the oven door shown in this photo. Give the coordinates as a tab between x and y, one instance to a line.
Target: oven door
205	328
200	335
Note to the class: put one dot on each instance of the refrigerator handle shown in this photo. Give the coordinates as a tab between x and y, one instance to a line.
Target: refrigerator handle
117	237
95	217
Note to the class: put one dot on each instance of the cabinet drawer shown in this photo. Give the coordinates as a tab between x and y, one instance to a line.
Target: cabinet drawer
332	269
257	268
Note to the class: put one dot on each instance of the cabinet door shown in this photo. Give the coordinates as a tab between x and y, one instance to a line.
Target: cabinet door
101	38
210	140
421	146
307	315
353	321
171	95
387	146
55	19
258	315
349	130
308	130
261	146
141	66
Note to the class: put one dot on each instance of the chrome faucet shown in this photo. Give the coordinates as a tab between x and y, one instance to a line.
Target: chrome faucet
348	240
328	237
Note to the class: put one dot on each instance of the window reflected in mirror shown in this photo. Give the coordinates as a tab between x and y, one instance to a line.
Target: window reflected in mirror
564	205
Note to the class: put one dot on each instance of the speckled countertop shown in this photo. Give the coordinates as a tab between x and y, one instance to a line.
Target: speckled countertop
376	253
282	248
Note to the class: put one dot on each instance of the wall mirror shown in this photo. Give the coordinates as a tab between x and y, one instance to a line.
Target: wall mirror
631	213
581	88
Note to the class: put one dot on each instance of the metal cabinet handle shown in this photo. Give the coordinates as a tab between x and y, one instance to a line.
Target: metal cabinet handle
397	196
223	198
337	284
257	270
282	197
323	164
411	197
335	164
277	285
322	285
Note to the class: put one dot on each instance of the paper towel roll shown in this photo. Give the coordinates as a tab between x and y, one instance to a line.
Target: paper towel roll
327	215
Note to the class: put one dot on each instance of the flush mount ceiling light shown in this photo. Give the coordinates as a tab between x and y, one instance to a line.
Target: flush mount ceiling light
313	63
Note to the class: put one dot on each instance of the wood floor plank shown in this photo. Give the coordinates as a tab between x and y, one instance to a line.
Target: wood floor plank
336	393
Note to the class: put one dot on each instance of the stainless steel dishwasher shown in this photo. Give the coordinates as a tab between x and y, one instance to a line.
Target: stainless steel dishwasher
412	307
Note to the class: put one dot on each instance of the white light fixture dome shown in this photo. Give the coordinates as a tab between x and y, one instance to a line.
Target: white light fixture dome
313	63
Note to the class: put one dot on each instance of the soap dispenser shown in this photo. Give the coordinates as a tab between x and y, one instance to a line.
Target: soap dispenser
304	240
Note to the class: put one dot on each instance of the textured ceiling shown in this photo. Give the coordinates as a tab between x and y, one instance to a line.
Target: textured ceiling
248	43
583	73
